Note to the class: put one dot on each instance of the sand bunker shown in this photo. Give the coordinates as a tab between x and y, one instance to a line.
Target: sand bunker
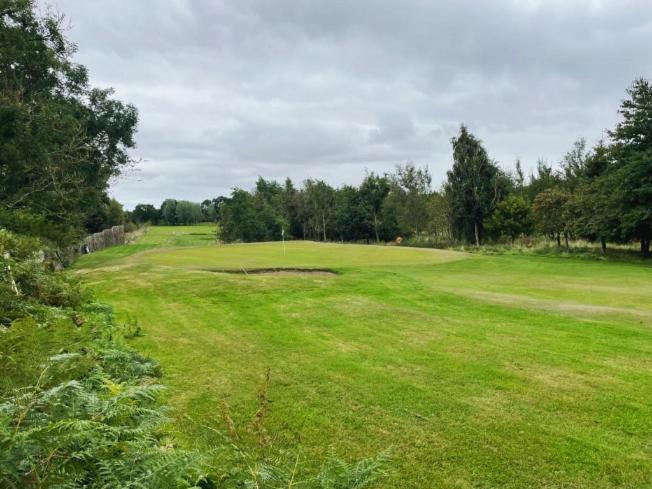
280	271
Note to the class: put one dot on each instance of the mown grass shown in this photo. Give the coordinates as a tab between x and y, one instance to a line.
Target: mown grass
478	371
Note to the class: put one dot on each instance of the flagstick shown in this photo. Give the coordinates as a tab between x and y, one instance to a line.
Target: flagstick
283	238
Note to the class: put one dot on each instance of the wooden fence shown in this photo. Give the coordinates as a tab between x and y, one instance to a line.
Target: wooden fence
104	239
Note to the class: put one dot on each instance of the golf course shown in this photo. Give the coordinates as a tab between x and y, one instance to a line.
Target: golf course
471	370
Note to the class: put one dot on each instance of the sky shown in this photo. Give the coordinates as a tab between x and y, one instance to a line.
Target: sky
228	91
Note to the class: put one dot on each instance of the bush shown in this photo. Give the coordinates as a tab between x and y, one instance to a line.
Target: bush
76	408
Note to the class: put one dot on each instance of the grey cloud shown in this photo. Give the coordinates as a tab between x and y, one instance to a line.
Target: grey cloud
229	90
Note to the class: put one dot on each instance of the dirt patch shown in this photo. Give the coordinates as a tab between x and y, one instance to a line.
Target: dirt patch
280	271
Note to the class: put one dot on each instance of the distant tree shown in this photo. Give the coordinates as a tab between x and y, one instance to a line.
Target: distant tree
550	213
373	194
290	201
474	187
439	219
208	210
574	164
630	178
239	219
143	213
115	213
512	218
319	207
597	162
217	203
519	179
591	216
544	178
187	212
168	212
270	210
351	221
408	196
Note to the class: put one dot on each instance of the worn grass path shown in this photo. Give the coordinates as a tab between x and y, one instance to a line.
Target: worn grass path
478	371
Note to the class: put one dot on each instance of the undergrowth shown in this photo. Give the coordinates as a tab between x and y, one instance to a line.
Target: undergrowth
78	409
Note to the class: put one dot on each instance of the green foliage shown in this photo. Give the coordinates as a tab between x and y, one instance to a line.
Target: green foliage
408	196
544	178
630	178
380	217
550	209
57	132
475	185
76	408
512	218
145	213
239	220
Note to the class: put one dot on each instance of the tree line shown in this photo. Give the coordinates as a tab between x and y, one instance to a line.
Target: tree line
602	194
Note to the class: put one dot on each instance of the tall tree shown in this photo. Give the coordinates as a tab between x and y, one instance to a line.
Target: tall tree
631	176
351	222
408	196
591	215
551	213
320	206
239	219
475	185
574	164
169	212
57	133
187	212
373	193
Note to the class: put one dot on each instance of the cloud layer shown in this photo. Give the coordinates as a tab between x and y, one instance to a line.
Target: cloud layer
230	90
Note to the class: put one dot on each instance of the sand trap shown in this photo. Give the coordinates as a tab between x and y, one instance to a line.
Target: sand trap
280	271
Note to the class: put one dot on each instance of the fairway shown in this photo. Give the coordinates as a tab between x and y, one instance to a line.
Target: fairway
475	370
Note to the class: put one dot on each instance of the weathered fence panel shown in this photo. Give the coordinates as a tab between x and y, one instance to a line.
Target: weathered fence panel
104	239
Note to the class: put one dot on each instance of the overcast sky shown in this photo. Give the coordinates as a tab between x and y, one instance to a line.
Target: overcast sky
230	90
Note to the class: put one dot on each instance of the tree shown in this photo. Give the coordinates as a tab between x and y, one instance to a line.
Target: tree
512	218
439	222
208	210
574	165
169	212
115	213
187	212
519	179
143	213
408	195
550	213
57	133
373	192
291	199
475	185
591	216
270	210
319	207
544	178
351	221
630	178
239	219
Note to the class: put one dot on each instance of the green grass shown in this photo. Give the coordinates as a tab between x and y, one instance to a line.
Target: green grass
478	371
154	237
